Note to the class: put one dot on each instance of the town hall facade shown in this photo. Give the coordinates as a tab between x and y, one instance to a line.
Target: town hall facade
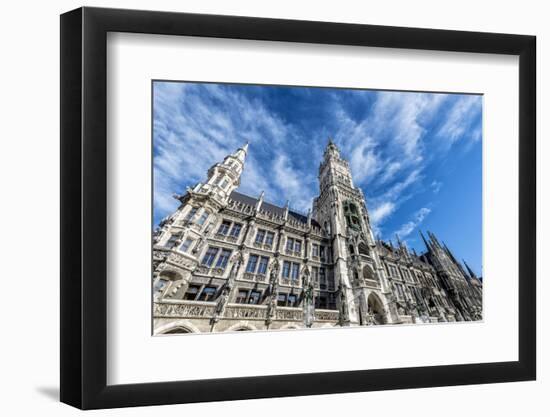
225	261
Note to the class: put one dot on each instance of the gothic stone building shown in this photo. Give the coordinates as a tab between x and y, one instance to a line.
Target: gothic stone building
225	261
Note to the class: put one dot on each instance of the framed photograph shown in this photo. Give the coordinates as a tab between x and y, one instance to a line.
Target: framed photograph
259	208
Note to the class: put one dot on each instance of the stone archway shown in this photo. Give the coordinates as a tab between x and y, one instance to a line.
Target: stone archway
178	330
241	327
376	309
177	327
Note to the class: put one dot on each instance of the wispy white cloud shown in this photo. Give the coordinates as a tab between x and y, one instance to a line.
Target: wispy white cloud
436	186
380	212
195	126
458	121
407	228
389	139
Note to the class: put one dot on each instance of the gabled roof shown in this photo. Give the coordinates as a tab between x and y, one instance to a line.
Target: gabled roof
270	208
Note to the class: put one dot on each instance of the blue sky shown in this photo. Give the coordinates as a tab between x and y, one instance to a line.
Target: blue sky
416	156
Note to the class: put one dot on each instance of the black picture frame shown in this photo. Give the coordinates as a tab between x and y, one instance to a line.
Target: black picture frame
84	207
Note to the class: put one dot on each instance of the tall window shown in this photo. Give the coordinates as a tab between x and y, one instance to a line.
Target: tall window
315	275
269	238
186	245
322	279
286	269
236	230
191	213
224	227
173	240
223	258
323	253
209	256
260	235
241	297
202	218
281	300
297	245
292	300
252	262
208	294
315	250
351	213
400	292
289	244
254	297
224	183
262	266
191	292
295	275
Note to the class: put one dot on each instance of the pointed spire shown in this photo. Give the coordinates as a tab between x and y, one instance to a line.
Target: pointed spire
287	209
399	243
425	241
309	217
434	240
260	201
241	153
472	273
331	148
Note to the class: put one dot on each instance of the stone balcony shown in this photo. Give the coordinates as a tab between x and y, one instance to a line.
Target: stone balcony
293	253
185	309
226	238
245	311
263	246
211	271
255	277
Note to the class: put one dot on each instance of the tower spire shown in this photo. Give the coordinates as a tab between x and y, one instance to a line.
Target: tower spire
240	154
425	241
472	274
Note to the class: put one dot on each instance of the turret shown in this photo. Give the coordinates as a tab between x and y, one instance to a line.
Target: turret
225	177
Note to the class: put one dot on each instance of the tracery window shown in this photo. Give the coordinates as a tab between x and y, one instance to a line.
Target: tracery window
210	255
186	245
352	215
208	294
224	227
223	259
191	213
173	240
236	230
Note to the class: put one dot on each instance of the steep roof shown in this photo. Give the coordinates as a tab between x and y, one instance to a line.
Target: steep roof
270	208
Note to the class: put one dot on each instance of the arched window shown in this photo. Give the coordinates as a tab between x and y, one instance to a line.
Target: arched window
369	274
363	249
351	213
178	330
327	227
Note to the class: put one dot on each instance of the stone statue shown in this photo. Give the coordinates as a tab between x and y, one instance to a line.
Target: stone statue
198	246
343	307
222	301
236	261
271	308
274	276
